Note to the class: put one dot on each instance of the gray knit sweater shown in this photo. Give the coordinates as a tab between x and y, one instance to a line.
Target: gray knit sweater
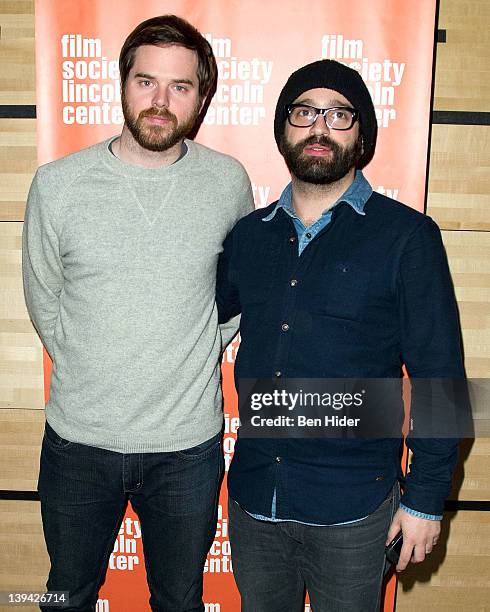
119	275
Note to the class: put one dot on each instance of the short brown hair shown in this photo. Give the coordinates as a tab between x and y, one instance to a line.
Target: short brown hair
172	30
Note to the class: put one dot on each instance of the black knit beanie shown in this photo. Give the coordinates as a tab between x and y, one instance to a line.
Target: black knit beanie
330	74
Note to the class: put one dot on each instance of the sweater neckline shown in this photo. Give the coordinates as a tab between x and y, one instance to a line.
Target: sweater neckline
139	172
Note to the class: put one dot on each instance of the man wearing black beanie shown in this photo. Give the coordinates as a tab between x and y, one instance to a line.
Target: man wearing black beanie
334	281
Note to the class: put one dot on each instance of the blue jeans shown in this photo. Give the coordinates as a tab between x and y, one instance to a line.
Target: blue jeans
84	493
340	566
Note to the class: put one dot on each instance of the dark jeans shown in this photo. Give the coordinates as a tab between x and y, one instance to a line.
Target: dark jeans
84	492
341	566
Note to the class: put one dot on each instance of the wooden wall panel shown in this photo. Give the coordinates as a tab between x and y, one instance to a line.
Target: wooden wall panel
21	368
455	576
18	163
24	560
21	433
469	260
462	70
472	477
17	77
459	177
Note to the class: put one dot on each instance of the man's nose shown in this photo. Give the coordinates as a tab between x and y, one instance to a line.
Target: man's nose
160	97
320	126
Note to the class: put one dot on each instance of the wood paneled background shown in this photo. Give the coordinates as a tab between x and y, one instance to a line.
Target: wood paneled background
456	577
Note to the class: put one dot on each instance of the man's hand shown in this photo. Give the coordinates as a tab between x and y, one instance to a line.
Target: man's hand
419	537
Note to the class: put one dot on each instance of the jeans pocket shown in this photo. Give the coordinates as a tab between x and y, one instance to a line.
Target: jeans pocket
54	440
201	451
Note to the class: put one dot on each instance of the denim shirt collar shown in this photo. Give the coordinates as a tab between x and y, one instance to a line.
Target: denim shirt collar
356	196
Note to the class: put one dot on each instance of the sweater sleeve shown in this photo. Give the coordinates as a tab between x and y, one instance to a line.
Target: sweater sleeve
431	350
229	331
41	265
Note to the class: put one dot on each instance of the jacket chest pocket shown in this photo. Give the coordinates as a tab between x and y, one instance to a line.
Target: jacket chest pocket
341	291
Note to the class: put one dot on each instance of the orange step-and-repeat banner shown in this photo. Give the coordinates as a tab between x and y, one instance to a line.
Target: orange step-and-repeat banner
257	44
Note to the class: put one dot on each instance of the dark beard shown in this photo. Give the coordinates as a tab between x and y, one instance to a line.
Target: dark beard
320	171
155	137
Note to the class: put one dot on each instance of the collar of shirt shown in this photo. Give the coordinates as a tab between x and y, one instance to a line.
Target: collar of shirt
356	196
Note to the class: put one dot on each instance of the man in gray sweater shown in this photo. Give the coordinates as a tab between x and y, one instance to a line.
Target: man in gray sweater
121	242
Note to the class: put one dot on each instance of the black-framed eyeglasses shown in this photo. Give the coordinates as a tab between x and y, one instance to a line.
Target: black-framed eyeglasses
336	118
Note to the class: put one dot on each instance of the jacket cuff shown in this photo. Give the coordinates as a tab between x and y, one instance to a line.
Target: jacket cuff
430	517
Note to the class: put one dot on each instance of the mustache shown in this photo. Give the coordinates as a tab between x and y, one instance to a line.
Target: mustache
157	112
324	141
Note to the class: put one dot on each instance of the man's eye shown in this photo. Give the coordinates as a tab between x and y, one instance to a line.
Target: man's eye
305	112
145	83
180	88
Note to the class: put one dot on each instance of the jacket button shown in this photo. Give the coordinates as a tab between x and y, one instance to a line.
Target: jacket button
284	327
380	477
292	239
278	374
278	459
293	283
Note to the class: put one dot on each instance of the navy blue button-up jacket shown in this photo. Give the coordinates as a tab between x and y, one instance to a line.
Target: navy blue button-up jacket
373	292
